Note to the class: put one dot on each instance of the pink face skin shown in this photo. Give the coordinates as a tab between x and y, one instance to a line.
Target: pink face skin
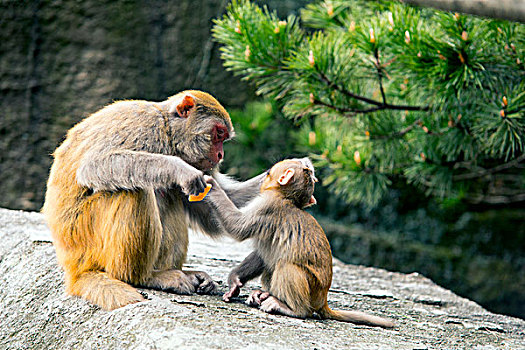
219	134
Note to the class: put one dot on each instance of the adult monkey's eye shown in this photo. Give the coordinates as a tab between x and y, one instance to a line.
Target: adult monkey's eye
220	133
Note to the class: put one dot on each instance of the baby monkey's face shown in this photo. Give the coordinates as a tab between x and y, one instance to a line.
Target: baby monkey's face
295	179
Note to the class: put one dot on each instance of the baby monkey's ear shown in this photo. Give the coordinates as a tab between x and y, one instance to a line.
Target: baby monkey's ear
285	178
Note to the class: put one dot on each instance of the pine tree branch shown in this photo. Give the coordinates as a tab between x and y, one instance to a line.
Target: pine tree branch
399	133
484	172
349	112
342	110
331	84
380	76
380	105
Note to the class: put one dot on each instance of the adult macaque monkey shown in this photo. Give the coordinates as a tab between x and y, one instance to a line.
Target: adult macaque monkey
291	253
116	199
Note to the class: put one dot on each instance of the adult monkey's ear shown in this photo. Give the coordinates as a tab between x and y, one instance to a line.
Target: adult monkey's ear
185	105
285	178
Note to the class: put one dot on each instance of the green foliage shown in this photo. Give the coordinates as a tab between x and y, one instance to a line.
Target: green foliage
263	137
389	93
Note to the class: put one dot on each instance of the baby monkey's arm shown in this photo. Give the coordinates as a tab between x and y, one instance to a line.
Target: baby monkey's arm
239	224
251	267
240	193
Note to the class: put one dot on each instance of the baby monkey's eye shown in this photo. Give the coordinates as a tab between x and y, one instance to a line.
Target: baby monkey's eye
311	173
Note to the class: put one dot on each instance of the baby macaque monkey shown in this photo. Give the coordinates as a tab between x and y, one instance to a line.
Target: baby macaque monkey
292	253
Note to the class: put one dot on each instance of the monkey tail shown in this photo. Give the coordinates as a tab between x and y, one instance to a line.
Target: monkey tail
355	317
102	290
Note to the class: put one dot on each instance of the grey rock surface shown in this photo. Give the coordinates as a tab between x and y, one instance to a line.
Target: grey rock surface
35	312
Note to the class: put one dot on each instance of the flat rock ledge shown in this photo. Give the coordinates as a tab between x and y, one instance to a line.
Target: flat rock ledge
35	312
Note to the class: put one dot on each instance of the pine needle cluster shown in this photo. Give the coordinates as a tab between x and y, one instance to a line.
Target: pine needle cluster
387	92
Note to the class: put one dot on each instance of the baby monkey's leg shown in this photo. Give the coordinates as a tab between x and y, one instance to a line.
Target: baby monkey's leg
289	293
268	303
257	297
272	305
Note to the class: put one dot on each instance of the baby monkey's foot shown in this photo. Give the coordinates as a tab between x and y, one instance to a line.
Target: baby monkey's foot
257	297
272	305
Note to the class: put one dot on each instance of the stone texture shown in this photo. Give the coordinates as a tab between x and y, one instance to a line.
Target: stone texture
35	313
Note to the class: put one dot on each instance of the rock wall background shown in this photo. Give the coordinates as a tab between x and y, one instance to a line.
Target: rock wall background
62	60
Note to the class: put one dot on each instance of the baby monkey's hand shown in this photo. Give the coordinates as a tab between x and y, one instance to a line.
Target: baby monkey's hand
235	288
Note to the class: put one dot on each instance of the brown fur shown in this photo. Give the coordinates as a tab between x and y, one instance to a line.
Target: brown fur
292	252
116	196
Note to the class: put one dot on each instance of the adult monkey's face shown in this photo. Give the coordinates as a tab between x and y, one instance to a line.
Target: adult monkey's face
207	127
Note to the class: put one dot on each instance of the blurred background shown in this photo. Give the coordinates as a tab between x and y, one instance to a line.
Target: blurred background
62	60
